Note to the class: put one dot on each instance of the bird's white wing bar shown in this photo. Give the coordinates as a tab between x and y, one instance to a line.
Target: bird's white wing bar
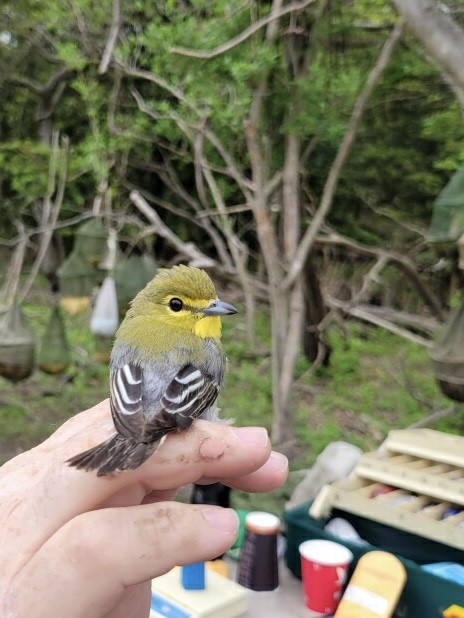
183	393
189	394
127	392
188	374
126	400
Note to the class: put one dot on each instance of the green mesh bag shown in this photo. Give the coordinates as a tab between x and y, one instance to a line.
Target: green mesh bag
77	280
130	276
447	357
76	277
17	345
54	353
91	240
448	213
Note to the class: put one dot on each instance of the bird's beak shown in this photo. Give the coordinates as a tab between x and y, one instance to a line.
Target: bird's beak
219	307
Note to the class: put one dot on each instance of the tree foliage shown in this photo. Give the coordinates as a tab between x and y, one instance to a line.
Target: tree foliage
227	116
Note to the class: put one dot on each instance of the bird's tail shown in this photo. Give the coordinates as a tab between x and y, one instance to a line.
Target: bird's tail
116	453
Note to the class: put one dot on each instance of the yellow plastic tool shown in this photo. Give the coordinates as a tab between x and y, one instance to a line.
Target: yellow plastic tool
455	611
374	588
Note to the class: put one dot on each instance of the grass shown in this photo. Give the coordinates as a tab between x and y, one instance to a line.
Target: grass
375	382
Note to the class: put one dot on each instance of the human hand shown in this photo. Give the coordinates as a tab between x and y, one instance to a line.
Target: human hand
76	545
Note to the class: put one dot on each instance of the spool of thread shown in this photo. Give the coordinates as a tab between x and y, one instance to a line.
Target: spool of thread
258	568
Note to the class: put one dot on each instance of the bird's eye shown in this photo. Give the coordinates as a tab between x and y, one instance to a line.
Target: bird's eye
176	304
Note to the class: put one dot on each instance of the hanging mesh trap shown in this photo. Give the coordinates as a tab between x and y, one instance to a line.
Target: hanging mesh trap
77	279
447	357
17	345
448	212
131	275
54	353
91	240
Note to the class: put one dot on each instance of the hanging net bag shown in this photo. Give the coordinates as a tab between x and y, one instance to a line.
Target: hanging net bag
91	240
77	279
447	223
131	275
447	357
17	345
54	353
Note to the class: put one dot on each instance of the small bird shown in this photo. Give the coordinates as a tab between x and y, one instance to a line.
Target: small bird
166	368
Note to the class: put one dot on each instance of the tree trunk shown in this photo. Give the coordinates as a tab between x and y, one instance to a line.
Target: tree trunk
290	310
315	347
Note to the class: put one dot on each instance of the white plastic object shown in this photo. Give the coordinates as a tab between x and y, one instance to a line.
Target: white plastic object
104	320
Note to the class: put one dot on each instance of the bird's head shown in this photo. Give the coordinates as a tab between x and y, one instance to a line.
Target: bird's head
182	298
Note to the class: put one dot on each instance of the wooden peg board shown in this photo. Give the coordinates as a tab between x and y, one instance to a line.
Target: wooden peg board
425	468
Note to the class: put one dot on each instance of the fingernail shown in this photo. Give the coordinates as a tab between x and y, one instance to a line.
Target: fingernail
277	461
225	520
257	436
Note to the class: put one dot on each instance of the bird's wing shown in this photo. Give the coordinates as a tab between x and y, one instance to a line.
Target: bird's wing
126	400
189	393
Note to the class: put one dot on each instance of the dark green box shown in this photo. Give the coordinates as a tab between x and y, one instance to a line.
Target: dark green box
424	596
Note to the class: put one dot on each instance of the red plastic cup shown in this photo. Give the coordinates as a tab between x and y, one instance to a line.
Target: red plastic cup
324	565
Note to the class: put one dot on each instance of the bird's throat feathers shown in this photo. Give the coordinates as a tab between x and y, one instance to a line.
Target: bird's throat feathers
209	326
155	336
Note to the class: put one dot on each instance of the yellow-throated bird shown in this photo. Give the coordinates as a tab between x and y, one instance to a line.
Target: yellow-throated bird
166	367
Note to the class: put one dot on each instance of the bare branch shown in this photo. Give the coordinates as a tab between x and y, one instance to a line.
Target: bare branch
438	415
238	250
159	81
230	210
232	168
112	37
342	154
400	261
55	210
81	26
45	111
41	89
427	326
366	316
39	230
370	279
273	184
189	250
243	36
13	273
175	186
198	161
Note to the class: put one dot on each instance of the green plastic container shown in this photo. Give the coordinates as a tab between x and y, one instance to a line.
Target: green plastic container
424	596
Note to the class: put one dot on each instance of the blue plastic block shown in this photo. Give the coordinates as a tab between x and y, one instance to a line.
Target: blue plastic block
193	576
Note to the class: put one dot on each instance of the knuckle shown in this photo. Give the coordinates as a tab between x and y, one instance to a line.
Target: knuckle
83	543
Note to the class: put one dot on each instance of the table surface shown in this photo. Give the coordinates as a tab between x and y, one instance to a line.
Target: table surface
285	602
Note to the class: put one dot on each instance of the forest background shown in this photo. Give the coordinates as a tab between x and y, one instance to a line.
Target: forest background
294	149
